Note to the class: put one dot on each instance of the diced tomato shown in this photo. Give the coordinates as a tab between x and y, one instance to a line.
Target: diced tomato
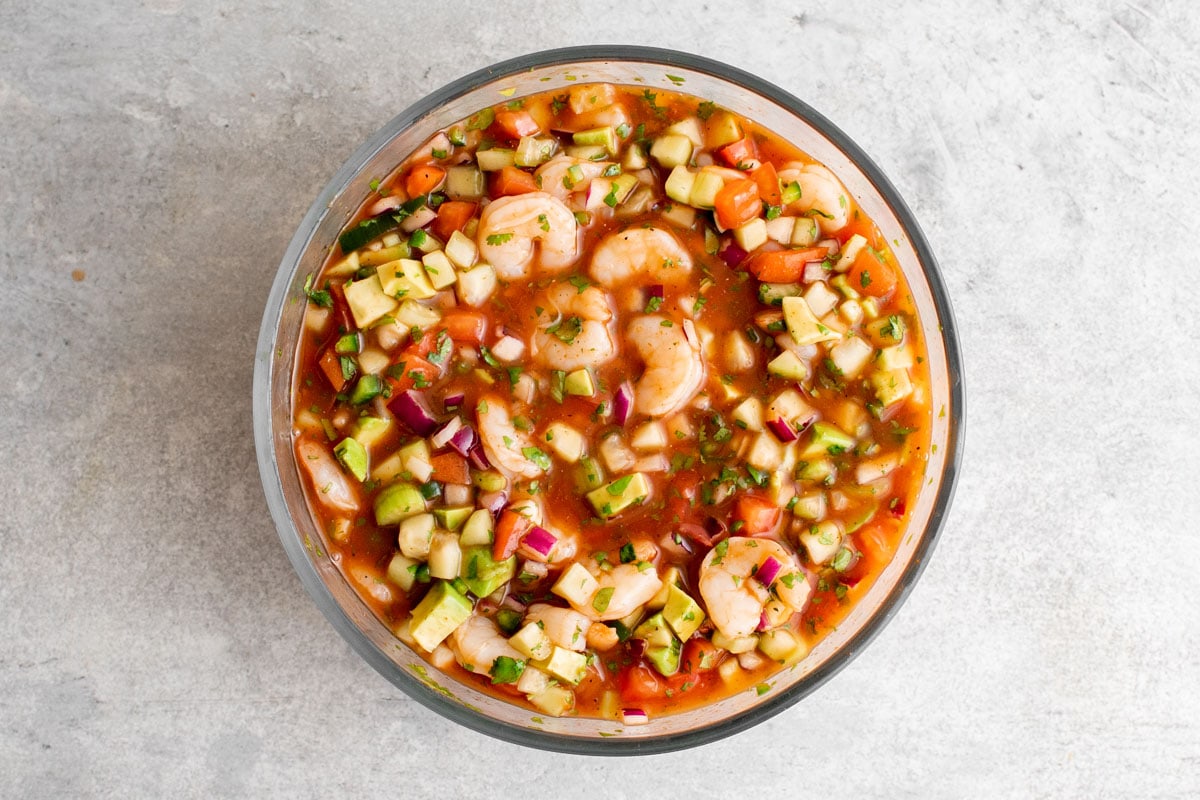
768	183
341	308
699	655
758	514
517	123
331	366
414	366
423	179
783	266
452	215
465	325
871	275
740	153
509	530
510	180
737	203
639	682
451	468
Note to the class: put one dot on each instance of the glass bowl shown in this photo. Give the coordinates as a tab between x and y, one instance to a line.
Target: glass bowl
304	542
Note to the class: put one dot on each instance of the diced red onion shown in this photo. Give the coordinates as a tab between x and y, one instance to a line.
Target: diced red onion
689	332
716	528
831	245
493	501
411	409
634	716
453	402
763	622
815	271
623	403
732	255
464	441
801	425
696	533
782	430
479	459
486	607
535	568
384	205
513	603
768	571
898	509
636	648
508	348
446	433
655	291
538	542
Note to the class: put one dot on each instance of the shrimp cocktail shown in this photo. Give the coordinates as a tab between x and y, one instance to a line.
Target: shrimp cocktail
610	402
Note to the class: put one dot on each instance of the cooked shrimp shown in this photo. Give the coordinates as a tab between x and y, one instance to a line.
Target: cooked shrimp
821	194
631	588
556	177
577	331
674	369
651	255
505	446
477	643
509	227
329	482
566	628
733	597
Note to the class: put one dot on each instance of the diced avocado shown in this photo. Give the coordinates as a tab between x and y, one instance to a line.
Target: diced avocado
615	497
488	480
588	474
705	189
353	456
605	137
566	665
557	701
679	184
412	314
367	300
672	150
820	470
481	573
437	615
782	645
827	438
772	294
670	578
665	658
478	528
439	269
655	631
580	383
369	430
564	440
398	502
367	389
405	278
532	642
453	518
682	613
802	325
787	365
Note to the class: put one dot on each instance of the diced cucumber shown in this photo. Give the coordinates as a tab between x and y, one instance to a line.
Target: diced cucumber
689	127
445	556
398	502
722	128
412	314
705	188
533	151
681	214
439	269
565	441
464	182
635	157
585	152
749	414
751	235
461	250
787	365
532	642
891	386
453	518
368	388
483	574
827	438
477	284
478	528
819	470
405	278
605	137
679	184
804	327
373	258
782	645
576	585
402	571
438	614
588	474
369	430
810	506
806	233
765	453
615	497
672	150
367	300
821	300
822	541
352	456
415	537
495	159
367	231
772	294
851	355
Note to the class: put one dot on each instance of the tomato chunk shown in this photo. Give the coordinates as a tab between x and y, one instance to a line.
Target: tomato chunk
424	179
451	468
509	530
452	215
510	180
758	514
739	154
466	325
870	274
737	203
517	123
783	266
768	183
638	682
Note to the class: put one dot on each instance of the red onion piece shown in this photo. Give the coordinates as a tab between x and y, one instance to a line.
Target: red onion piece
782	430
763	624
411	409
814	271
634	716
636	648
538	542
453	402
732	255
464	440
479	459
655	291
696	533
446	433
768	571
623	403
493	501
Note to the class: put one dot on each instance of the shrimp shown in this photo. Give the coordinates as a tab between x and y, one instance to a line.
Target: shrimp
630	587
557	178
477	643
821	194
674	369
653	254
508	228
579	334
328	480
734	598
506	447
564	627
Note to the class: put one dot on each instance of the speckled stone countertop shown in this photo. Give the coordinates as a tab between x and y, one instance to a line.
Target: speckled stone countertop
155	158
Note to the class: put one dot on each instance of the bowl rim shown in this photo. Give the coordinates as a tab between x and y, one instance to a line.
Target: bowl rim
269	467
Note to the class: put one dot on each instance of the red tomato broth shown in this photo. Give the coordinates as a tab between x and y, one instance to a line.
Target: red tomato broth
364	548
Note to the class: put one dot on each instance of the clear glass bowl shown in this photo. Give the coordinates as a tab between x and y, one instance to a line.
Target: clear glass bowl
304	542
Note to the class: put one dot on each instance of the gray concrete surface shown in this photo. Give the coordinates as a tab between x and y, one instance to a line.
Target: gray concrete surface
154	641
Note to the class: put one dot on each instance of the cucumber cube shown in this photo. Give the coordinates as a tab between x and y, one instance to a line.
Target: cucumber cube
416	536
705	189
803	325
405	278
605	137
752	235
453	518
398	502
495	159
439	269
679	184
461	250
483	574
369	430
788	365
478	529
352	456
368	301
672	150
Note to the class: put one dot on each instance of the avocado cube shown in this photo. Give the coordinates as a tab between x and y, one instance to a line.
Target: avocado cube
405	278
453	518
828	439
782	645
554	700
615	497
481	573
402	571
580	383
367	431
437	615
655	631
398	502
665	658
605	137
532	642
367	300
891	386
353	457
566	665
682	613
803	325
